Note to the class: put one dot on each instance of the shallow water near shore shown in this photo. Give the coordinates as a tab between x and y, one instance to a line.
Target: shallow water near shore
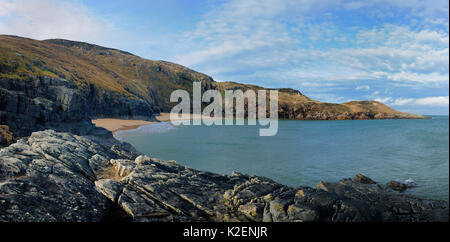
306	152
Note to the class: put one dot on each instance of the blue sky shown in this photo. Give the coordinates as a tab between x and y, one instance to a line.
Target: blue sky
395	51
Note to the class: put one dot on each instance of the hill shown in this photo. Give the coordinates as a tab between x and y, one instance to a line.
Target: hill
62	81
294	105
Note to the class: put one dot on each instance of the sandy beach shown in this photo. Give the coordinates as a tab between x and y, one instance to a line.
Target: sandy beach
114	124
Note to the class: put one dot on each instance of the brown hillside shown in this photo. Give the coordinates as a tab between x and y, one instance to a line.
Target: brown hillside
121	74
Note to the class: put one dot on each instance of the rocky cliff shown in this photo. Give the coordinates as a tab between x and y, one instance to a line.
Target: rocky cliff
38	102
63	84
53	176
43	83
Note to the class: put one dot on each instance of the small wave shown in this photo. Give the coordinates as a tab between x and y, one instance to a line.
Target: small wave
410	182
145	129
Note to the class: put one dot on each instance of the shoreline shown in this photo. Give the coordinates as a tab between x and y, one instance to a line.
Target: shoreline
116	124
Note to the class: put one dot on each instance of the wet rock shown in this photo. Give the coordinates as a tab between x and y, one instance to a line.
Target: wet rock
363	179
410	183
397	186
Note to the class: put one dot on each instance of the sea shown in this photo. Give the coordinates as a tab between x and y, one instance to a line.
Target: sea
306	152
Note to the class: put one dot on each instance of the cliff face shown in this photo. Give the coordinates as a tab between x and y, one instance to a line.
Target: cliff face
53	176
97	70
34	103
56	82
68	81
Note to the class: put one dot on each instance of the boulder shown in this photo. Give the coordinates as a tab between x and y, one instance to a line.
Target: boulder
397	186
363	179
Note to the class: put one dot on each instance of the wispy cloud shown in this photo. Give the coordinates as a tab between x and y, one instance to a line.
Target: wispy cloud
426	101
310	47
363	87
44	19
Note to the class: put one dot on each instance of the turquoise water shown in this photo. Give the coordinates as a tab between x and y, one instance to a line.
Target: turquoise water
305	152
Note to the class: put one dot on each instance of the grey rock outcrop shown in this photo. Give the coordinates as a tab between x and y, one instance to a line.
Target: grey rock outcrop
363	179
48	177
53	176
37	103
400	186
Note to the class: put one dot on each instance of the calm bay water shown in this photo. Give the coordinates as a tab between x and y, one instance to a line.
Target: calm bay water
305	152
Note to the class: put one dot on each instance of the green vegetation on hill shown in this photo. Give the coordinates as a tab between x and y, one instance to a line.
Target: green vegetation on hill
125	74
86	64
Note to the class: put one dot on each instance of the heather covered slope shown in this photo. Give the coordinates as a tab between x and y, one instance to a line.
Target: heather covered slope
43	83
294	105
89	66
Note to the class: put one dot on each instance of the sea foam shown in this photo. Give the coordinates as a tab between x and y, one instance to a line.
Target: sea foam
145	129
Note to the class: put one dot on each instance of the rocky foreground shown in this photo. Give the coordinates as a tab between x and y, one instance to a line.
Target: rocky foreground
53	176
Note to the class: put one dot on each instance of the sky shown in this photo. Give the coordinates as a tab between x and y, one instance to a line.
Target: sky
392	51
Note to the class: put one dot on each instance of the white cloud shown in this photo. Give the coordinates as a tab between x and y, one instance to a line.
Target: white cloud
260	45
403	101
363	87
43	19
418	77
263	41
440	101
384	100
433	101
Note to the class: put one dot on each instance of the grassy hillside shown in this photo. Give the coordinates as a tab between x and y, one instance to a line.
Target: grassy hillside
123	73
294	105
105	68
